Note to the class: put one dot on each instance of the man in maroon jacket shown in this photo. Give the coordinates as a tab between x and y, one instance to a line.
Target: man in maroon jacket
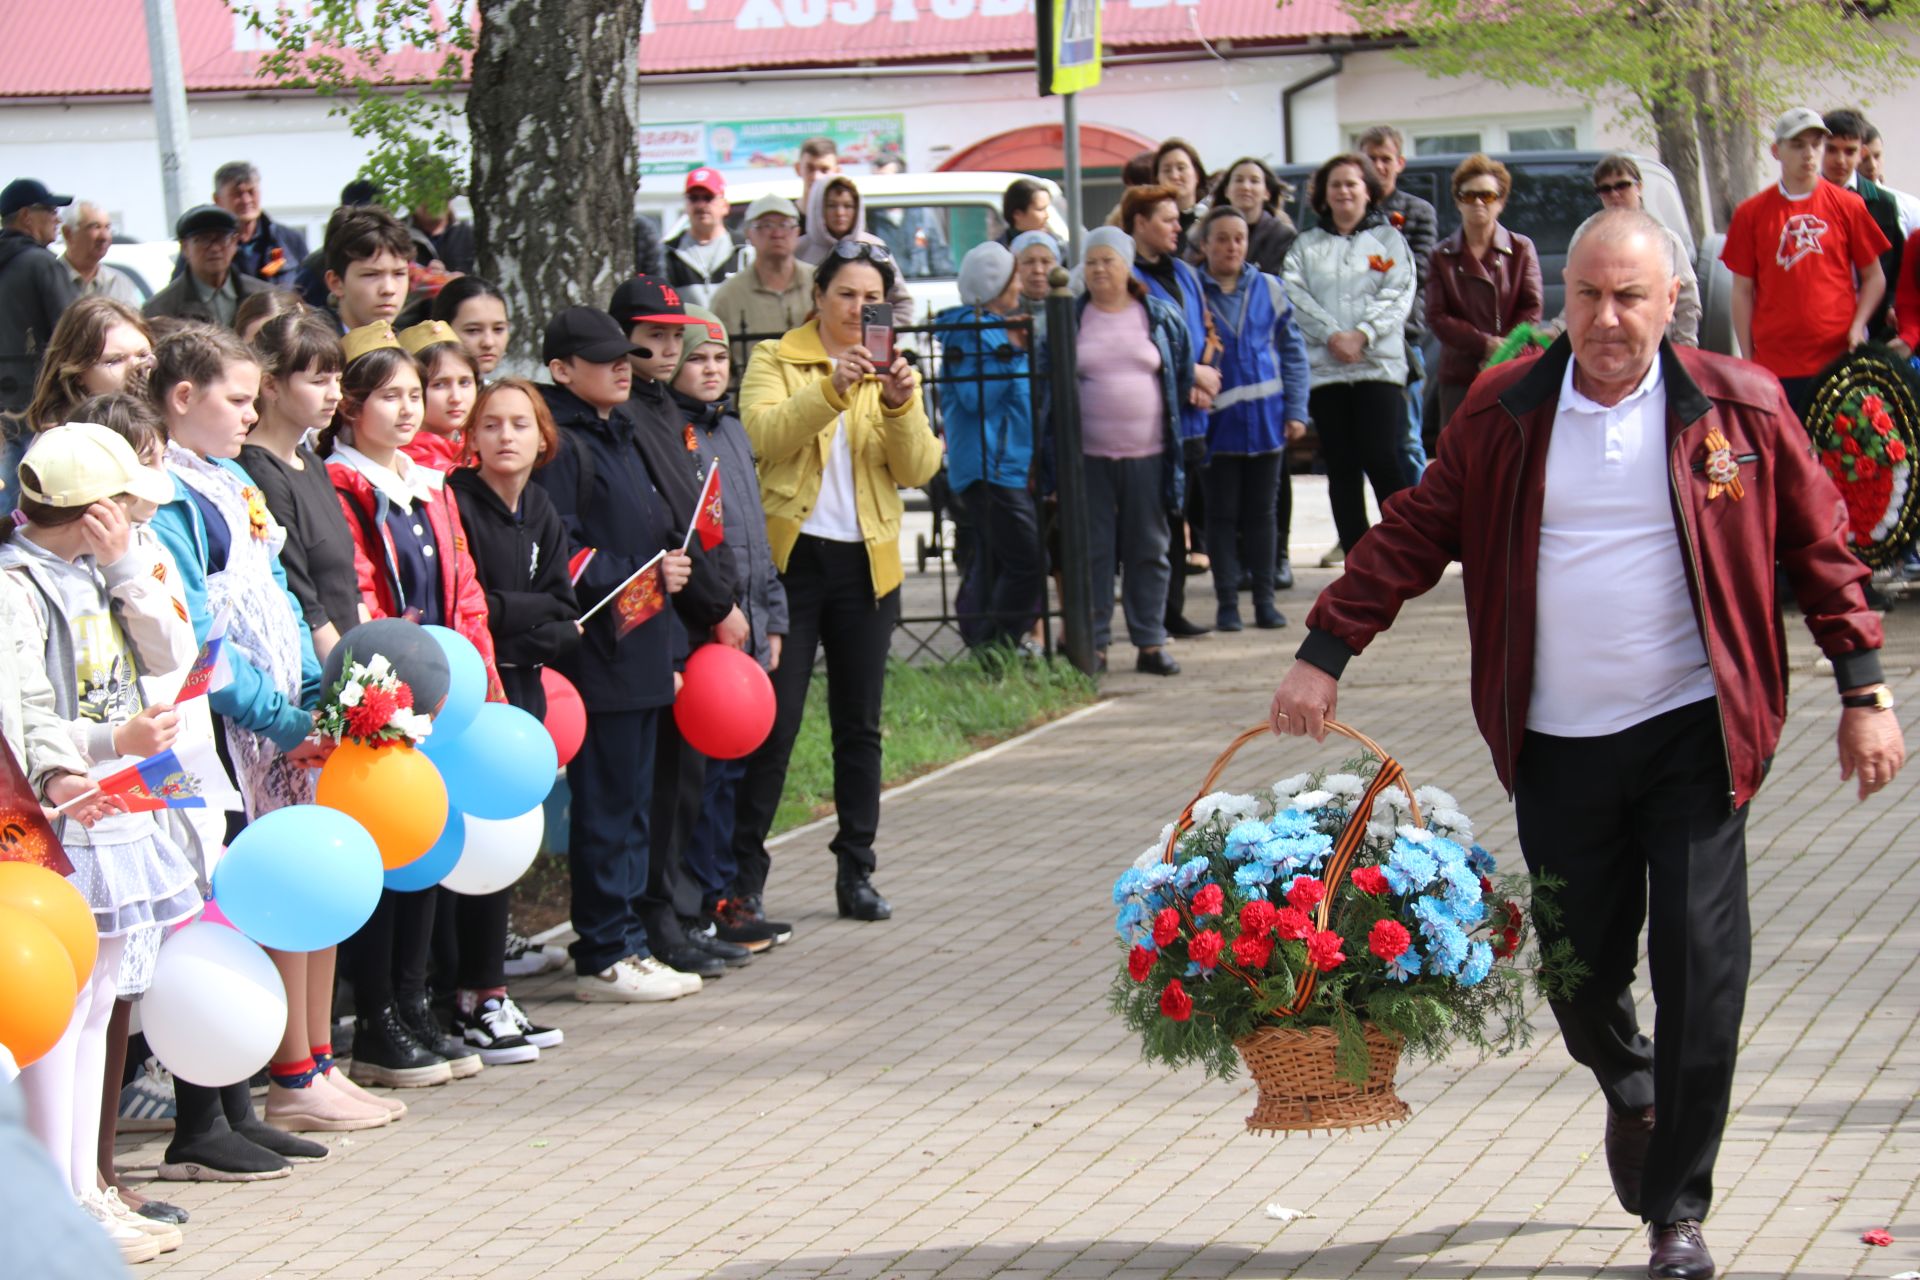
1618	506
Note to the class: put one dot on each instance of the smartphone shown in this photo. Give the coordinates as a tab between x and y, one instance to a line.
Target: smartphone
876	333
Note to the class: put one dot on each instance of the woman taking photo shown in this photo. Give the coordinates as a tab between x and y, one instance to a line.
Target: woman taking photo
1485	280
1135	369
1256	191
837	437
1352	283
1177	167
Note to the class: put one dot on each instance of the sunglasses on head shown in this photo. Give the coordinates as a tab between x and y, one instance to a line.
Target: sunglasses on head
856	249
1477	197
1613	188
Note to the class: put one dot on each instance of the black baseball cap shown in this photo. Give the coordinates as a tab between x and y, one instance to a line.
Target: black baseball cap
204	217
648	300
592	335
24	193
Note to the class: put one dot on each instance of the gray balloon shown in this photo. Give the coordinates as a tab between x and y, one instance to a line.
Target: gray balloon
413	654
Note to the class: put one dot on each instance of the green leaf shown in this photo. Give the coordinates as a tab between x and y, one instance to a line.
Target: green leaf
1351	1060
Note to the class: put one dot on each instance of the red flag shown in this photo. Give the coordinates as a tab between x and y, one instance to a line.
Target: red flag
708	521
25	833
578	563
643	596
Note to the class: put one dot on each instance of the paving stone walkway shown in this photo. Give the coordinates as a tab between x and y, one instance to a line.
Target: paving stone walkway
946	1095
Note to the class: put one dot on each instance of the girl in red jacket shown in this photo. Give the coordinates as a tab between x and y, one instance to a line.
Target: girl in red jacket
410	554
450	382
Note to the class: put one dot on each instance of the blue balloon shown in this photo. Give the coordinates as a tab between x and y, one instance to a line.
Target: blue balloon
425	871
299	878
466	685
502	766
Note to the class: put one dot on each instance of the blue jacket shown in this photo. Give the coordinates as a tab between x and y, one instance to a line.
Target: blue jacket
1192	307
1264	374
249	699
1169	334
986	401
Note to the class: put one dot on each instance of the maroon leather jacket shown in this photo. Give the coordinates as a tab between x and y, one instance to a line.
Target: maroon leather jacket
1480	503
1470	304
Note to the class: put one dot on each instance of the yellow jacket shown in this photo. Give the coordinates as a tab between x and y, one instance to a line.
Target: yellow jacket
789	406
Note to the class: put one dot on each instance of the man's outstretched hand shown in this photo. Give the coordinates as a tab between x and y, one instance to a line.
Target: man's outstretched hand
1304	702
1872	746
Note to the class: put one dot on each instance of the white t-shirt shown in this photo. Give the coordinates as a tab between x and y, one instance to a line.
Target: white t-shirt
1616	640
836	517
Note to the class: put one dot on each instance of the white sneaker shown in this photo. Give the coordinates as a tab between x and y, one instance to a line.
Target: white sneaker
626	982
538	1036
134	1244
690	983
168	1234
528	959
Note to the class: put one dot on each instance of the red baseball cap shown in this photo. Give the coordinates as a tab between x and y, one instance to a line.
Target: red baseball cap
709	180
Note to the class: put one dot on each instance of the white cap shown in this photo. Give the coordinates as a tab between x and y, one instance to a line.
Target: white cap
1795	121
80	463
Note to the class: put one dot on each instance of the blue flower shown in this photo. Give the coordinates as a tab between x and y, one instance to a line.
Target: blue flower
1409	868
1404	966
1159	876
1479	964
1292	822
1463	893
1189	873
1449	950
1252	878
1245	840
1131	882
1481	861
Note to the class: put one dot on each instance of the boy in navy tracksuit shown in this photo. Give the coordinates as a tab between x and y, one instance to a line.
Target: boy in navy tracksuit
612	500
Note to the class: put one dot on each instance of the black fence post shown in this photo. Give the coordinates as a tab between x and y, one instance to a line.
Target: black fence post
1076	585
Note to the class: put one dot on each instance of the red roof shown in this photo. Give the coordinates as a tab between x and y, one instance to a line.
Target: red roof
39	57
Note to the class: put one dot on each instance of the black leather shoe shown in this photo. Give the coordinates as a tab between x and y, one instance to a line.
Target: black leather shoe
1181	626
462	1058
1268	618
1283	575
859	900
1679	1251
1227	618
1156	662
1628	1137
687	958
386	1052
704	938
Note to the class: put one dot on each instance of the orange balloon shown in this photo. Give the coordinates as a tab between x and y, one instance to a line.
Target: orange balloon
37	989
55	903
393	791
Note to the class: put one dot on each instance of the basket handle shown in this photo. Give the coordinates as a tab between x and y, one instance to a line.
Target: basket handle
1344	848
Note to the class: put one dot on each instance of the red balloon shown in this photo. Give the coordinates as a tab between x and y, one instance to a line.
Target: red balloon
566	716
725	706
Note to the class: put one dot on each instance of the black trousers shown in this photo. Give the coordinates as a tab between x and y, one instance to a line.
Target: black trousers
830	605
387	957
1008	570
1283	508
678	771
1635	825
607	839
1242	492
1362	426
480	925
1181	537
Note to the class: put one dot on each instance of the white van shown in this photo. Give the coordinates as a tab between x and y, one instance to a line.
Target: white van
929	220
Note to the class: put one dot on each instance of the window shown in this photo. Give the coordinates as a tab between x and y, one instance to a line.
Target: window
1549	201
928	240
1559	137
1445	144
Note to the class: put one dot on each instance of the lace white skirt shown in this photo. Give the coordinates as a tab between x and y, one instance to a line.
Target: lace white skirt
138	882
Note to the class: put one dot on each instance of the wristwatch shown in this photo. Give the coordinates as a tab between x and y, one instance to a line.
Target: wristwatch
1878	698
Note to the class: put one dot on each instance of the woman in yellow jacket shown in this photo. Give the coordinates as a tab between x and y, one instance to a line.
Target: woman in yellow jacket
837	437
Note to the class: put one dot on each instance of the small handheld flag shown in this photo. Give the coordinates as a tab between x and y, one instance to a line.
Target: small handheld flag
188	775
578	562
642	595
209	670
708	519
25	833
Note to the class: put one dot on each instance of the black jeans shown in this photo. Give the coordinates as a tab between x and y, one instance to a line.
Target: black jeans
1242	492
670	894
607	839
830	605
480	924
1632	822
1362	426
387	957
1009	569
1180	539
1283	509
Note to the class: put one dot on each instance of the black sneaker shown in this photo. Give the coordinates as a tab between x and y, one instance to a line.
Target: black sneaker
385	1052
538	1036
732	923
491	1031
744	914
220	1155
463	1060
705	937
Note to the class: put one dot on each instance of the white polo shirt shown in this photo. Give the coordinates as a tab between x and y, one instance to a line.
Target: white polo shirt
1616	640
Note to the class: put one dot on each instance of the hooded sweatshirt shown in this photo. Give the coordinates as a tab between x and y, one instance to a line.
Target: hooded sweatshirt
816	242
34	290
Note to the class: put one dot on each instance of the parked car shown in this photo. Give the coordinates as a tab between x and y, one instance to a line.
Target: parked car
148	263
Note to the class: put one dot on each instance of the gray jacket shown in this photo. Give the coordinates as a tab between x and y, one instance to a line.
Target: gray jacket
34	290
182	302
1361	281
719	436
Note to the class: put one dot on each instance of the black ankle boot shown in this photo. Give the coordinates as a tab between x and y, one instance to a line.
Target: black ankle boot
386	1052
463	1059
858	899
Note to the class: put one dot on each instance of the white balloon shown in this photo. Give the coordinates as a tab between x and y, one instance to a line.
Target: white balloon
497	852
216	1009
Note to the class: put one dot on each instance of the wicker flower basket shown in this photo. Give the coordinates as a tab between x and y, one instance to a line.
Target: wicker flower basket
1299	1089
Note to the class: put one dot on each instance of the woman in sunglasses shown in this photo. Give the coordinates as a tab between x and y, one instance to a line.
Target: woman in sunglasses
838	432
1484	280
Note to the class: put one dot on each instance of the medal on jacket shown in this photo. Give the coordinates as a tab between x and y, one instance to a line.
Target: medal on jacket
1723	473
693	441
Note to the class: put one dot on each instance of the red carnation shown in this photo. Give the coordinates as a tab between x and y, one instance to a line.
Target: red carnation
1292	924
403	694
1849	445
1175	1002
370	717
1866	468
1323	950
1139	963
1209	901
1506	944
1369	880
1896	451
1389	939
1256	917
1166	926
1486	886
1253	950
1205	948
1306	893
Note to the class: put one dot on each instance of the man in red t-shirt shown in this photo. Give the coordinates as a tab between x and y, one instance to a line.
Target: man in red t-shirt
1805	258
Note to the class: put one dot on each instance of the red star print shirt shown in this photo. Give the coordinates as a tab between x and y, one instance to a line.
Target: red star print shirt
1801	256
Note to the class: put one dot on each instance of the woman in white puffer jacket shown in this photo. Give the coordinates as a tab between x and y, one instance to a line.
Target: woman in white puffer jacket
1352	282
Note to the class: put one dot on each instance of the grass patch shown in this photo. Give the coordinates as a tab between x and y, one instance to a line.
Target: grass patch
932	716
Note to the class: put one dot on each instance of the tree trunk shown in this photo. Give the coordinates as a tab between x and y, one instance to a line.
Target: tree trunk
1726	128
554	113
1679	145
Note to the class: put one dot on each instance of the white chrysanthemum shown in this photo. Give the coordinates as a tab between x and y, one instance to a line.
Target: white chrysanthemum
1287	788
1310	800
1395	799
1349	785
1415	835
1380	831
1224	805
378	666
350	694
1149	857
1432	798
411	723
1452	821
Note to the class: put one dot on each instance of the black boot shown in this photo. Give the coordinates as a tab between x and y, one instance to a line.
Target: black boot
463	1060
857	897
386	1052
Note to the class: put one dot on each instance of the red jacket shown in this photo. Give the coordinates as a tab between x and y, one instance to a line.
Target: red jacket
440	453
466	601
1471	304
1480	503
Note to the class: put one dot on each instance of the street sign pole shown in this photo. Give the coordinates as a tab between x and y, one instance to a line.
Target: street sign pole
1076	216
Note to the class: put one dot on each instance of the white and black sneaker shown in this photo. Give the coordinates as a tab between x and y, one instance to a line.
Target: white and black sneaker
528	959
491	1031
537	1035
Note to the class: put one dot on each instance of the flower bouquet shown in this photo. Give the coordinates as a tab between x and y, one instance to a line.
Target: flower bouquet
371	705
1316	932
1863	418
